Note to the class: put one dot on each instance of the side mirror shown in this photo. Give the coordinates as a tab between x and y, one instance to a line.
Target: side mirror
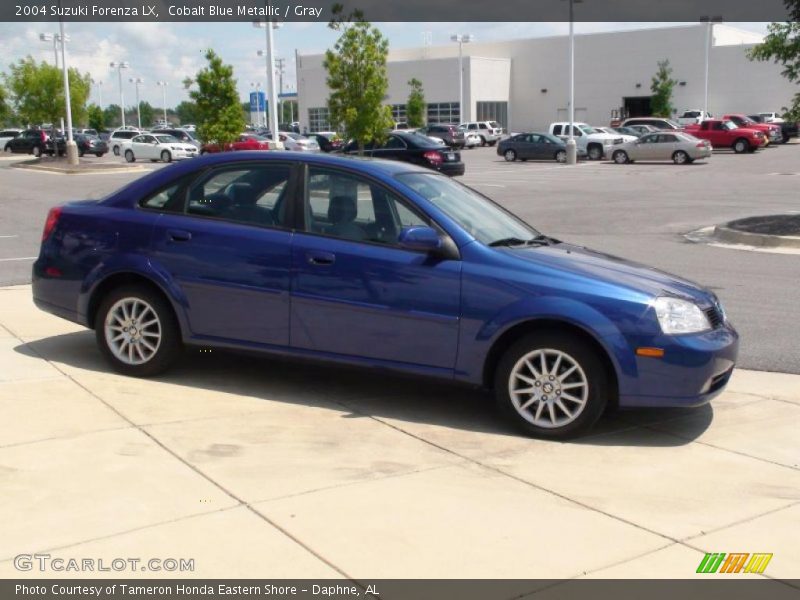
419	238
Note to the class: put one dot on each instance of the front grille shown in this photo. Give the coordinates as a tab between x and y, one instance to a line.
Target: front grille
714	317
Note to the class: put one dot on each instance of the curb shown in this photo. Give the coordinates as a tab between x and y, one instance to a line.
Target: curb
733	236
69	171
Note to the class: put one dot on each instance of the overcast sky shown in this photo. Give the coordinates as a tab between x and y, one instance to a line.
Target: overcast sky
172	51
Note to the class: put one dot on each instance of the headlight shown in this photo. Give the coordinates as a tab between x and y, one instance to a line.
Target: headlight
676	316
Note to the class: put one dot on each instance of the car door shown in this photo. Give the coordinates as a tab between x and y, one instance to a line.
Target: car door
645	149
665	146
224	240
394	148
355	292
539	147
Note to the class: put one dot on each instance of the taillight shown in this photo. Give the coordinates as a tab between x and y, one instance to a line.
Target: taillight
51	222
433	157
700	145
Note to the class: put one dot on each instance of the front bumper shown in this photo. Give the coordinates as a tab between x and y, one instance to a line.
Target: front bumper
183	154
694	369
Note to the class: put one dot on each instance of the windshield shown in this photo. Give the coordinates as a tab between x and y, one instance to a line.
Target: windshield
729	124
586	129
166	139
478	215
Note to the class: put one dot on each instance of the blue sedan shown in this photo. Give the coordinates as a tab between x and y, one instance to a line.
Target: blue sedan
380	264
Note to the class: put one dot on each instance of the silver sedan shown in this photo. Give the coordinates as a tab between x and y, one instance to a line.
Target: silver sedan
681	148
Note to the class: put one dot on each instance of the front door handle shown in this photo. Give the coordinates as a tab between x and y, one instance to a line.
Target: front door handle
320	258
179	235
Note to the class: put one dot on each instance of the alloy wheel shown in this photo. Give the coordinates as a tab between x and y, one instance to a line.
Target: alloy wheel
133	331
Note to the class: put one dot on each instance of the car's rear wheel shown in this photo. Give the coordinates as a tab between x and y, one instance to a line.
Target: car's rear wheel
80	153
129	156
116	150
620	157
37	151
7	148
98	154
561	156
551	385
595	152
741	146
510	155
136	331
483	141
785	138
679	157
166	156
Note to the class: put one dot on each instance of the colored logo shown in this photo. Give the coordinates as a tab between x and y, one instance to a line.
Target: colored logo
735	562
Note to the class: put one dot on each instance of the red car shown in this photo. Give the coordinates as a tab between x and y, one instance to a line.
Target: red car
725	134
771	130
246	141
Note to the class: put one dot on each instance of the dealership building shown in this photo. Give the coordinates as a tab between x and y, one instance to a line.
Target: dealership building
524	83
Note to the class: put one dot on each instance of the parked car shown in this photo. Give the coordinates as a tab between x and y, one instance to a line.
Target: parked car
415	149
471	140
679	147
181	134
380	264
119	136
772	131
157	146
451	135
639	128
85	131
771	117
90	144
327	141
628	136
190	127
596	144
298	142
6	135
788	129
537	146
246	141
725	134
490	132
36	142
657	122
694	116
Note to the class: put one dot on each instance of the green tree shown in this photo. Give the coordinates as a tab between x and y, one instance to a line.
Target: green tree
662	86
782	45
5	107
186	112
219	109
357	79
148	113
415	107
38	92
96	117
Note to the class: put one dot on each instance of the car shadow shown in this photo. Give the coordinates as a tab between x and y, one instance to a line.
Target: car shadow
359	392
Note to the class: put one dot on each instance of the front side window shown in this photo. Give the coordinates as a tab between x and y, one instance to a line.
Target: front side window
349	207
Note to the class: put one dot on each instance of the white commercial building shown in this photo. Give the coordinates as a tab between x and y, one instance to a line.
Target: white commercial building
524	83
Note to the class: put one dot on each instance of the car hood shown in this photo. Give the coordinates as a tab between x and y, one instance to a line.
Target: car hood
613	270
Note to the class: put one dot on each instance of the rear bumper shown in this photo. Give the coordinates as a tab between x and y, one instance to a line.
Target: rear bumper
452	169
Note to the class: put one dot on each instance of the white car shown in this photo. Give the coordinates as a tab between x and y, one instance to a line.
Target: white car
489	132
121	136
771	117
157	146
625	137
6	135
297	143
471	140
693	116
596	144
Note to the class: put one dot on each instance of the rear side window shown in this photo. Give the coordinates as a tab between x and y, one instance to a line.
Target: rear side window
557	129
168	199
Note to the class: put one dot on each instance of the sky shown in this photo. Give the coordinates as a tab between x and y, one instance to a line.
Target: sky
172	51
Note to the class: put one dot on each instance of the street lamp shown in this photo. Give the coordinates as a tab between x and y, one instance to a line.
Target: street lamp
572	149
136	81
72	148
119	66
163	85
461	39
56	39
709	21
272	105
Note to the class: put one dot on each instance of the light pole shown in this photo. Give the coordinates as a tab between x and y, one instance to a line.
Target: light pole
99	85
709	21
461	39
163	85
279	67
272	105
136	81
56	38
119	66
572	149
72	148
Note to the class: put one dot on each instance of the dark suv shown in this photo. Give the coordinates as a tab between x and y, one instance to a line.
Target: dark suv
449	134
36	142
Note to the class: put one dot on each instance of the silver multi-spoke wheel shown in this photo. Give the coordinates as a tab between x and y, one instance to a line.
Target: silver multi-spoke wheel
132	331
548	388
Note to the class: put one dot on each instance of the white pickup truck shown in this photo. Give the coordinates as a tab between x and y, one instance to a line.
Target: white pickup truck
693	117
596	144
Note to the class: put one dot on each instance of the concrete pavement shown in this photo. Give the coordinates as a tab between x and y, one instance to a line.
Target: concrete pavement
265	468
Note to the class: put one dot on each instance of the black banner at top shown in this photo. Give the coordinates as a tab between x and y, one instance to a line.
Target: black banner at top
399	10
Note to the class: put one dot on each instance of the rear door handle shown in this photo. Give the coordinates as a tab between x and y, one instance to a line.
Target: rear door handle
320	258
179	235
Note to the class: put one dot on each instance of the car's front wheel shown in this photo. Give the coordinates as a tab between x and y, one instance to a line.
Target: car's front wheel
510	155
741	146
166	156
129	156
551	385
137	331
561	156
620	157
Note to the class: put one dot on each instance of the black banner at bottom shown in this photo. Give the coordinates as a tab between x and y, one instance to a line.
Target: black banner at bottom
735	588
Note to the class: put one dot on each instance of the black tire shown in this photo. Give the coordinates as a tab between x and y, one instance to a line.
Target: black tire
620	157
595	152
741	146
166	156
679	157
510	155
36	151
153	160
785	138
483	141
129	156
7	148
561	156
116	150
98	154
493	143
80	153
593	374
170	345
